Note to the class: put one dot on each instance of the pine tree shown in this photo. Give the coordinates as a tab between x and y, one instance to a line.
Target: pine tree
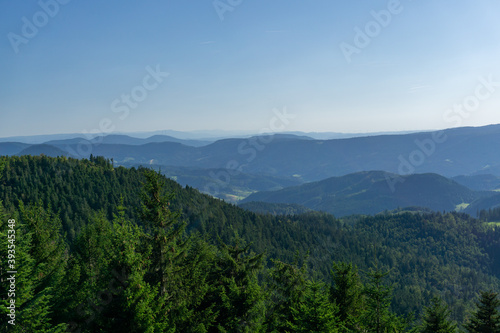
33	307
48	247
235	289
487	316
314	313
286	288
165	230
377	316
436	318
133	301
165	234
346	293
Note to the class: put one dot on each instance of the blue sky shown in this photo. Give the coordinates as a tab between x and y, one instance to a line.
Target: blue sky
423	67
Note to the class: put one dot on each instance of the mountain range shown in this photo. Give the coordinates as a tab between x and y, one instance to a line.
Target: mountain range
452	152
234	168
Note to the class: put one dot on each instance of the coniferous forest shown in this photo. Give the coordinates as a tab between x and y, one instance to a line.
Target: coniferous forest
99	248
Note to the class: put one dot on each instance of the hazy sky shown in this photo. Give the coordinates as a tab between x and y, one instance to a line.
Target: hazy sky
343	66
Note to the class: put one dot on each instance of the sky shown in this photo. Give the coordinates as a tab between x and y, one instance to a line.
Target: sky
70	66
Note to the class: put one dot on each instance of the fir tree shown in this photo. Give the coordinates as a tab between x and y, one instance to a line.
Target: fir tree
346	293
287	285
486	318
165	230
237	295
436	318
377	316
378	301
314	313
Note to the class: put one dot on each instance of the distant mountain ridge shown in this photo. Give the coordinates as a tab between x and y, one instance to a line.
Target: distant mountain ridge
201	135
237	167
460	151
127	140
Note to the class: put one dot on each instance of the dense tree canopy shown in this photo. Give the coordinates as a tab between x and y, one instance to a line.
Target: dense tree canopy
114	249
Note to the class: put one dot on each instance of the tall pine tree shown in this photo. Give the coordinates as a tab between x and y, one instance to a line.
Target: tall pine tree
436	318
346	293
486	318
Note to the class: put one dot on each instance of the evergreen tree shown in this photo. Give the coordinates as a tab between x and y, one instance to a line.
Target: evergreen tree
93	255
235	289
286	288
168	246
436	318
33	272
48	247
33	306
377	316
165	230
487	317
132	301
346	293
314	313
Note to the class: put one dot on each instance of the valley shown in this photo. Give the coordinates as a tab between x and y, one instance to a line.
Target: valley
343	176
235	166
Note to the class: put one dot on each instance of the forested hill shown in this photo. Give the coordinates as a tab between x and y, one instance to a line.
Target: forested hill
372	192
452	256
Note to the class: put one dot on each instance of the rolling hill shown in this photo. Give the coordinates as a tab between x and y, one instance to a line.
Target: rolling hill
479	182
43	149
12	148
453	152
370	193
485	203
245	165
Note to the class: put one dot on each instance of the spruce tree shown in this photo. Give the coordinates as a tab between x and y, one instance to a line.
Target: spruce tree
315	313
286	288
487	317
236	293
93	255
346	293
436	318
377	316
165	234
164	228
378	301
48	247
34	306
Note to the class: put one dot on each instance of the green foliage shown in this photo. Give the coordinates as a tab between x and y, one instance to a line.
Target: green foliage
490	215
114	260
164	230
33	292
346	293
436	318
377	316
486	318
371	192
274	208
314	313
287	285
235	297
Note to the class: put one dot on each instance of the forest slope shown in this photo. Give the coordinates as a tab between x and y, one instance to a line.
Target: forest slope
373	192
450	255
